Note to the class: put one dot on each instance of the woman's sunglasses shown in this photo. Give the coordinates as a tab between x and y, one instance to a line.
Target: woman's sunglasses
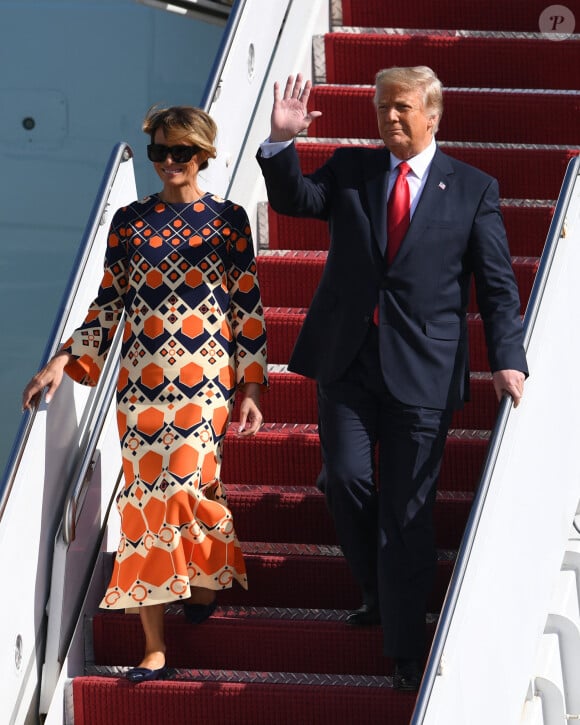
158	152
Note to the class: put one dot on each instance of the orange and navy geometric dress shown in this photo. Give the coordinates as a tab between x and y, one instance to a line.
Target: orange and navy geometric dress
182	278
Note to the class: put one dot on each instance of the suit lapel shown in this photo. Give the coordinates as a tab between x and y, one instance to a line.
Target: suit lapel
376	188
437	184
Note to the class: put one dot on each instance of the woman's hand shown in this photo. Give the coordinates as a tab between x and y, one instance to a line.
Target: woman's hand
49	377
250	414
289	113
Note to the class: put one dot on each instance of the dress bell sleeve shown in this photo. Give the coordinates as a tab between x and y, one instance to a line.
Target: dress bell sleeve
90	343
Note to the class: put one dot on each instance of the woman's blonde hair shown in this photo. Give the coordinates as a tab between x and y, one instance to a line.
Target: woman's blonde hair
417	78
185	123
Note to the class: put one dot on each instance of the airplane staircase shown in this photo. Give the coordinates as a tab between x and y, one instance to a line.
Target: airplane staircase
281	652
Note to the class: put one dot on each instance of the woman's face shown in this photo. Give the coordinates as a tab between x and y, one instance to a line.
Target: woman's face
177	176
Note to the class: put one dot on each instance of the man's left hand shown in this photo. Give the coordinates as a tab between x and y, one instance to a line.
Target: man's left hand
509	382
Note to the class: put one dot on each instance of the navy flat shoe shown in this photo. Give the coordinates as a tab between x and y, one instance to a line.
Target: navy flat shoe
198	613
142	674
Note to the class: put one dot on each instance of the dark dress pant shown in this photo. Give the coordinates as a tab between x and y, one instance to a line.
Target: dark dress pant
382	500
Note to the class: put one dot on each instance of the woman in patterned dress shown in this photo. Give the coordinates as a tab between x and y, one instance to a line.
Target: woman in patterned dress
180	276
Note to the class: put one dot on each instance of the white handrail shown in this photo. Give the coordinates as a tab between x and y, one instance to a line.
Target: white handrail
47	453
120	154
272	40
495	611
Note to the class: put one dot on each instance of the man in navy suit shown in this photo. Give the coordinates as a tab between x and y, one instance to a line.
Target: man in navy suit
386	339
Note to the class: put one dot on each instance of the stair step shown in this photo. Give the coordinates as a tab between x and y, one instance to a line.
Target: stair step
310	576
517	15
299	514
291	398
515	167
313	644
189	674
284	324
526	226
302	577
460	61
289	455
471	114
105	700
284	645
291	279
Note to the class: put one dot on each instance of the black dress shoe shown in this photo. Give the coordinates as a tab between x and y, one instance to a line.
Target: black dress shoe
198	613
407	675
365	616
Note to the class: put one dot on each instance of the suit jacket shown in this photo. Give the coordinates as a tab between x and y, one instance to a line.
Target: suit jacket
456	231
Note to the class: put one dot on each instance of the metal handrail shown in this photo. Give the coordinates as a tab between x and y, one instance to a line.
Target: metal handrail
467	543
121	152
81	476
215	74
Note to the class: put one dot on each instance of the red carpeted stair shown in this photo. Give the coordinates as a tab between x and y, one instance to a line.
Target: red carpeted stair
492	116
291	278
281	653
519	62
515	15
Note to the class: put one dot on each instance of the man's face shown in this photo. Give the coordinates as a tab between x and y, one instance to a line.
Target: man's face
404	125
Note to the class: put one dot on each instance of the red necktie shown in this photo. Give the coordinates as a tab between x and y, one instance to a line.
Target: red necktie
398	212
398	217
